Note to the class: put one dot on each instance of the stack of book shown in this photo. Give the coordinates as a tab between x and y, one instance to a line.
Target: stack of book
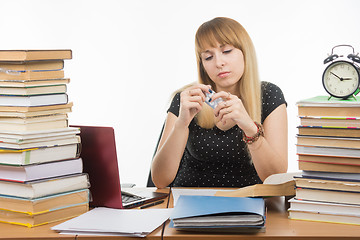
41	174
328	148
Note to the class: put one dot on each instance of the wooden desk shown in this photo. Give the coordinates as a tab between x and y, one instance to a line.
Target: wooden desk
9	231
278	226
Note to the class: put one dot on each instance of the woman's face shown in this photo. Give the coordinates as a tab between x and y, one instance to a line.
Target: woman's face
224	64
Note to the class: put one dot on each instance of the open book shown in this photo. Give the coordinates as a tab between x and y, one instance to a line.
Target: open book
282	184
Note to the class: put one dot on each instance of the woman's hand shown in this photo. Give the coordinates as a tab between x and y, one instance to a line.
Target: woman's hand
232	108
191	102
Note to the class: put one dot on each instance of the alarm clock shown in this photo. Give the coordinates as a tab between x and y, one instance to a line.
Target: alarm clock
341	78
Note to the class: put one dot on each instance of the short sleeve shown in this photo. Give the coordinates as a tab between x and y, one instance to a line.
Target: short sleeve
272	97
175	105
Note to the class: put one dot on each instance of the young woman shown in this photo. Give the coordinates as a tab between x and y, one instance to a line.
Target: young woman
240	142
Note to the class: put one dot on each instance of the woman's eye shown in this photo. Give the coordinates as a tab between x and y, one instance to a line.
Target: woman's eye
227	51
208	58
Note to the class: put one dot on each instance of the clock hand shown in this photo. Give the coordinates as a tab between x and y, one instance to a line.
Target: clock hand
335	75
341	79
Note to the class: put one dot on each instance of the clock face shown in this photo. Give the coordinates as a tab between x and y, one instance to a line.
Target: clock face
341	79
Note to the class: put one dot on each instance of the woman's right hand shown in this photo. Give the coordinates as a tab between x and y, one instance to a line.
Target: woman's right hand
191	102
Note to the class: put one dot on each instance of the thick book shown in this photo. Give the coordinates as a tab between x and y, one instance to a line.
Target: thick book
60	123
15	111
32	156
330	121
34	123
329	131
30	120
32	75
327	195
321	141
53	215
282	184
326	184
326	101
40	171
31	55
36	90
325	106
16	137
328	151
33	83
213	213
11	67
44	187
34	100
329	217
324	207
329	159
44	142
328	167
42	204
331	175
328	111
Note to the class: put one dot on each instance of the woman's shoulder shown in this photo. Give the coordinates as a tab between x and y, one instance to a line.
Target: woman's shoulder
272	97
270	90
269	87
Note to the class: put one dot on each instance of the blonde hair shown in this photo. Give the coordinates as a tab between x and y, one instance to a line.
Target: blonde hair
228	31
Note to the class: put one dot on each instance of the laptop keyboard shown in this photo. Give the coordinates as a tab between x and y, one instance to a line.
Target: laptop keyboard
126	198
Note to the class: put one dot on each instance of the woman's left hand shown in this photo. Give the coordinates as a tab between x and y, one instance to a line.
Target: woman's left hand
232	108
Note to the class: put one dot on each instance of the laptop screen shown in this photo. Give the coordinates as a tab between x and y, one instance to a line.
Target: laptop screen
98	152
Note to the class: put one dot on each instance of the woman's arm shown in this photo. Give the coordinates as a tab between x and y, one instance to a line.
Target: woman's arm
170	150
173	140
270	153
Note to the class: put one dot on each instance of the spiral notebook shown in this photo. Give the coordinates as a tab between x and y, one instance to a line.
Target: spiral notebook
98	151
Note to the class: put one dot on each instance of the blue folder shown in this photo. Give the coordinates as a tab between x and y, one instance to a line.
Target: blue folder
196	206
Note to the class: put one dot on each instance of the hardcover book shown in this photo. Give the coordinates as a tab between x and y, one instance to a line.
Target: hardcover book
323	106
31	66
44	187
34	100
53	215
40	171
31	55
42	204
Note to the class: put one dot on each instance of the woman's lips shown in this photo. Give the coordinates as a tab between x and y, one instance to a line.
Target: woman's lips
223	74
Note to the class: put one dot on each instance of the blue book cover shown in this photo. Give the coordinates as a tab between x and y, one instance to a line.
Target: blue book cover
201	206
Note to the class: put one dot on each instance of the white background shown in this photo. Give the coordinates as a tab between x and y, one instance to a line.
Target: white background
129	56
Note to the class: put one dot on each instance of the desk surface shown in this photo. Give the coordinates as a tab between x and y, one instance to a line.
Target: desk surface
277	226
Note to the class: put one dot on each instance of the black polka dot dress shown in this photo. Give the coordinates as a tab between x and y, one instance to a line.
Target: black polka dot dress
216	158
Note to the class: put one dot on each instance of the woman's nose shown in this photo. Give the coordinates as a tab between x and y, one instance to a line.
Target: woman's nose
219	62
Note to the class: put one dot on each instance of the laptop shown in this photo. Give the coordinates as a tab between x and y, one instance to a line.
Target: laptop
98	152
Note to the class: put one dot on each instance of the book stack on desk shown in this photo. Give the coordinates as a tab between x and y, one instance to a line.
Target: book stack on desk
328	148
41	174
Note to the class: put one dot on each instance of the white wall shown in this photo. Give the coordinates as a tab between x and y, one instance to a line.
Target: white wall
128	56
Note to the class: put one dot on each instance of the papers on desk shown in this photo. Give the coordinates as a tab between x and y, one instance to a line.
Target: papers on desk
115	222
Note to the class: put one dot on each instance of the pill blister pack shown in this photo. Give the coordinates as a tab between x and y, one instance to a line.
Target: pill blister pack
208	99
